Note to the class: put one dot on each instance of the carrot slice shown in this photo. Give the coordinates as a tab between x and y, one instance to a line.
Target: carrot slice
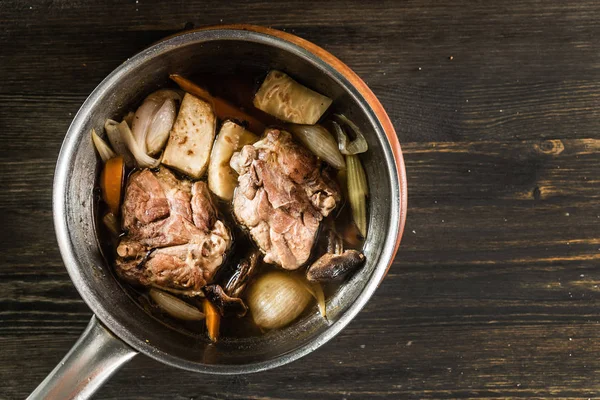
213	320
222	108
111	183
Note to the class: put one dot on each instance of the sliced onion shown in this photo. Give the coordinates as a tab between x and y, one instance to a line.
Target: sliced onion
357	192
104	149
142	159
111	222
320	296
129	118
175	307
315	289
144	116
141	122
111	127
276	299
161	125
358	145
165	94
341	137
318	140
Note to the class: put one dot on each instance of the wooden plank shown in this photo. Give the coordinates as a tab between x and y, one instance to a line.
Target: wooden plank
495	290
491	361
505	267
420	113
525	73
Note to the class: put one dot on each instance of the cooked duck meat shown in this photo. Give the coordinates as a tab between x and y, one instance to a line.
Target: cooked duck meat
146	201
203	210
174	240
282	196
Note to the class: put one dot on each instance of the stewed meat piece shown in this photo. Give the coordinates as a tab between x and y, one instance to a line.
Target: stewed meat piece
282	196
174	240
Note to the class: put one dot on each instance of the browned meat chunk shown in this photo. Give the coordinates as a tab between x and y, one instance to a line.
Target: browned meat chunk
282	196
174	240
146	201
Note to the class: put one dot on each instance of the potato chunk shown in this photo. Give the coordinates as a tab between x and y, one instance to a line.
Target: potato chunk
222	179
191	137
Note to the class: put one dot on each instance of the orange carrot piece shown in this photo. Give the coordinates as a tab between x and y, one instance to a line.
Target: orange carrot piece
111	183
213	320
222	108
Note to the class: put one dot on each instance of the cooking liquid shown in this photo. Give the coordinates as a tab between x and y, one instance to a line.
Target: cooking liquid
238	89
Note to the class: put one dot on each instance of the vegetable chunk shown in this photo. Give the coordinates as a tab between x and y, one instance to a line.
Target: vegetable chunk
223	108
191	138
111	183
222	179
286	99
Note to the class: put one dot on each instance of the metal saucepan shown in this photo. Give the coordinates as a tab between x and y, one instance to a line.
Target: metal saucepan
120	328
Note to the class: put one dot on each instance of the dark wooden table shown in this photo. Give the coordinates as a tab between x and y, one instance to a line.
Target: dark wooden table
495	289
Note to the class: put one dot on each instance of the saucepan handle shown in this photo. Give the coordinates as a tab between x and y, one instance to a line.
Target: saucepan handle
96	356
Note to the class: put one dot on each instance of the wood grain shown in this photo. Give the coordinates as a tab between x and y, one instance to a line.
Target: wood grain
496	288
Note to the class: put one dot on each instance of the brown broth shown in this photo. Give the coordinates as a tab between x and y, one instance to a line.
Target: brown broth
239	89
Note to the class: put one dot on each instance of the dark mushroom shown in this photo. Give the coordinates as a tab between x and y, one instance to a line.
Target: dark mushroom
335	244
226	305
332	267
240	278
335	263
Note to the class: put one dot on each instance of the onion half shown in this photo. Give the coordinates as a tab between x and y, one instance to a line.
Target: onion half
146	113
276	299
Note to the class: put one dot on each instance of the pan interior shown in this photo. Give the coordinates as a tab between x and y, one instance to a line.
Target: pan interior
196	54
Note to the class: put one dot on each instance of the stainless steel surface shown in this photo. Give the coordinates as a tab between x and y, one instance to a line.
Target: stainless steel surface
74	201
94	358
